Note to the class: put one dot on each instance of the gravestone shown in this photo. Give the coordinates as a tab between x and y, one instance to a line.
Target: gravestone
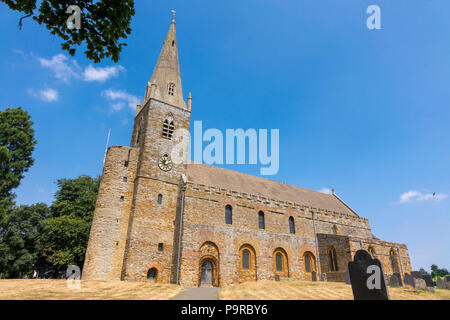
347	277
430	289
447	279
277	277
367	277
399	277
394	281
416	274
420	284
428	280
441	283
314	276
409	280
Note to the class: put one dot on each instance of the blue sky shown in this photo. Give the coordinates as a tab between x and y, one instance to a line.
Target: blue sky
363	111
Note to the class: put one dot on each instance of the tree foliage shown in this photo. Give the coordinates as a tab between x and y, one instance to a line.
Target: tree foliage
436	272
65	234
16	147
49	238
19	248
104	23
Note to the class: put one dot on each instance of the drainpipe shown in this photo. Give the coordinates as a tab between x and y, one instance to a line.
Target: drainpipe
317	247
179	235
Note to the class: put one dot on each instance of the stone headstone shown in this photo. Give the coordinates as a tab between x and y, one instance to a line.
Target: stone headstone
399	277
277	277
367	277
409	280
416	274
447	279
394	282
420	284
441	283
314	276
428	280
430	289
347	277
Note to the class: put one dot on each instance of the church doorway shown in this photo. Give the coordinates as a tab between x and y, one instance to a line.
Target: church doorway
207	273
152	274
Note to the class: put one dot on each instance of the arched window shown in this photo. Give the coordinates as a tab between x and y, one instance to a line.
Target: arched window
160	197
261	222
291	225
279	262
228	214
168	128
171	89
332	259
393	258
334	230
152	274
310	262
372	252
245	259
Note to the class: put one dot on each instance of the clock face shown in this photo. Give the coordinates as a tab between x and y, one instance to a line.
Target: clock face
165	164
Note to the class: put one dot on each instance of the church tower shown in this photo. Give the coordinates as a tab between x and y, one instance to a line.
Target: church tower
133	234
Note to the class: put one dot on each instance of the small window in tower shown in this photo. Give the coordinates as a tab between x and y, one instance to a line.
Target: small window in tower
160	197
335	230
126	164
171	89
160	247
122	198
173	43
168	128
125	179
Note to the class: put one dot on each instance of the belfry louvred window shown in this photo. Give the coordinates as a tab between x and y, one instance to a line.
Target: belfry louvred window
171	89
168	128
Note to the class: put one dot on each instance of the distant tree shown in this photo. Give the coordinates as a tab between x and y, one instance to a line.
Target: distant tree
103	23
19	250
423	271
16	147
65	234
436	272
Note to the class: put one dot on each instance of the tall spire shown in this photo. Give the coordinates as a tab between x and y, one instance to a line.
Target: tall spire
165	84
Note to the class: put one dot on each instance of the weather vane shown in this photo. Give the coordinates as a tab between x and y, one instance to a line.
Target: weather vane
174	12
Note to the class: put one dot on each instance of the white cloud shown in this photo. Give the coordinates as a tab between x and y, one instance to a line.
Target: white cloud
48	95
325	190
101	74
121	98
421	196
20	52
62	68
66	69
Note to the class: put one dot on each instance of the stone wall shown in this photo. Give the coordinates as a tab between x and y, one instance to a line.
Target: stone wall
204	221
153	225
382	250
104	255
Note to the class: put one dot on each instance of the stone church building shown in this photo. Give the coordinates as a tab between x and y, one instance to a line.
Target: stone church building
195	224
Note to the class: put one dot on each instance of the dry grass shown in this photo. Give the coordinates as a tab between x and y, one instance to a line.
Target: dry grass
90	290
304	290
